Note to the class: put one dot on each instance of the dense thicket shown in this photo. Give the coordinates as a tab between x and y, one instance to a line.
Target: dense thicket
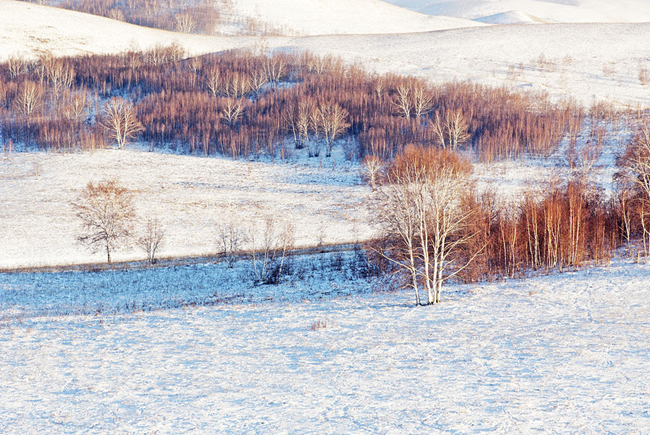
240	104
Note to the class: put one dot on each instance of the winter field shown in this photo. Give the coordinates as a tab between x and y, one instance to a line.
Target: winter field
191	196
201	348
322	353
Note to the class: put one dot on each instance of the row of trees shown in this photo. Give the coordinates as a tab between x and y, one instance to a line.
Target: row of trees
240	104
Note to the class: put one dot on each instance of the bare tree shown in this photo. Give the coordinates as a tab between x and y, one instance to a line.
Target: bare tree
422	101
213	81
184	23
402	101
17	66
59	74
421	210
152	239
236	85
76	108
457	129
232	112
637	160
450	131
257	80
230	238
371	167
635	170
269	249
120	120
275	68
29	99
333	122
107	213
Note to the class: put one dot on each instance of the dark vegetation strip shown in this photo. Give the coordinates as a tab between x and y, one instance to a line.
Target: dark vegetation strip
177	261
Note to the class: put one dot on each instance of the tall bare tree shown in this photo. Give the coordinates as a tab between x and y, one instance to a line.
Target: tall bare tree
107	213
422	210
451	131
29	99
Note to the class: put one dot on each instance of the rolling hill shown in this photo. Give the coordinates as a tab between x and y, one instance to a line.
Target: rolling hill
558	11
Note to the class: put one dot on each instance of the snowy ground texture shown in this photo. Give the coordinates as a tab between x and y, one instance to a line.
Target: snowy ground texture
566	353
191	196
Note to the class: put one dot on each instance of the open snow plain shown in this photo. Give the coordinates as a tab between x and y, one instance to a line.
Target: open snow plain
566	353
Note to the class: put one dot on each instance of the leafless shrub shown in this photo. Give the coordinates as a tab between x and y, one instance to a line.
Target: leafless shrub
270	246
230	239
319	324
644	75
371	167
152	239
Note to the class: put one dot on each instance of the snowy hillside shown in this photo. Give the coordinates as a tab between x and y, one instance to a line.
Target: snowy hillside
516	11
318	17
575	65
27	29
584	61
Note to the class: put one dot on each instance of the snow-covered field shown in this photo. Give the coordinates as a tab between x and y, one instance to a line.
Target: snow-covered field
200	348
191	196
564	353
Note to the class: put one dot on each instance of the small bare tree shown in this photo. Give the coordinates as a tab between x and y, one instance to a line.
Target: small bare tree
60	75
371	167
120	120
213	81
76	108
152	239
107	213
637	160
402	101
422	101
275	68
184	23
270	248
16	66
230	238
